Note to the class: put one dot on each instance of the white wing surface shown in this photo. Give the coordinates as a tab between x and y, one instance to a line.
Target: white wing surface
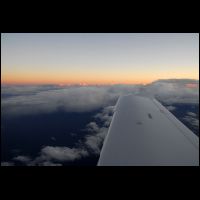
145	133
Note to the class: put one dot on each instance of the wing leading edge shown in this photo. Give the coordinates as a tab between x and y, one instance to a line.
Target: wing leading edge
145	133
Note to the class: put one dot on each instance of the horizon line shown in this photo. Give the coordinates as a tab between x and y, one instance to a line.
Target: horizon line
96	84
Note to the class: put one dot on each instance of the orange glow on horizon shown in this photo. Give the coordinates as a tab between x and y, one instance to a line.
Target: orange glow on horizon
81	82
98	58
89	78
82	79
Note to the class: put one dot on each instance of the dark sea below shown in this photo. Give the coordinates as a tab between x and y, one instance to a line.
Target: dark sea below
26	135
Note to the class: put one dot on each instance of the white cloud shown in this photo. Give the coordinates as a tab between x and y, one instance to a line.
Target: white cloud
23	159
92	127
47	163
171	108
106	115
94	142
7	164
191	114
43	99
193	121
62	153
81	99
174	91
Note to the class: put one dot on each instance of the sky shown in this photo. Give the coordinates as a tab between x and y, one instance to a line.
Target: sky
97	58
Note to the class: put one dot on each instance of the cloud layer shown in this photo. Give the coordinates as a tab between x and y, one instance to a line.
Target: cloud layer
18	101
175	91
33	100
81	99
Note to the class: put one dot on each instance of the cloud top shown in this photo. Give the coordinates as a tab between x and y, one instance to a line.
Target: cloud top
34	100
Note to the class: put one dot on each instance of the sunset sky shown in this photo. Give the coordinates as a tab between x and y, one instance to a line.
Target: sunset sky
97	58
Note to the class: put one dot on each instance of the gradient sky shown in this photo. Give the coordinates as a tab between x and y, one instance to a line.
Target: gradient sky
97	58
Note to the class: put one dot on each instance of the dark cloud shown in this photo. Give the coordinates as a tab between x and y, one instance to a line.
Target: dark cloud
53	138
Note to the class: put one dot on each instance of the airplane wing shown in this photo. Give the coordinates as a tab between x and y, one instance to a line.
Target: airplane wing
145	133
